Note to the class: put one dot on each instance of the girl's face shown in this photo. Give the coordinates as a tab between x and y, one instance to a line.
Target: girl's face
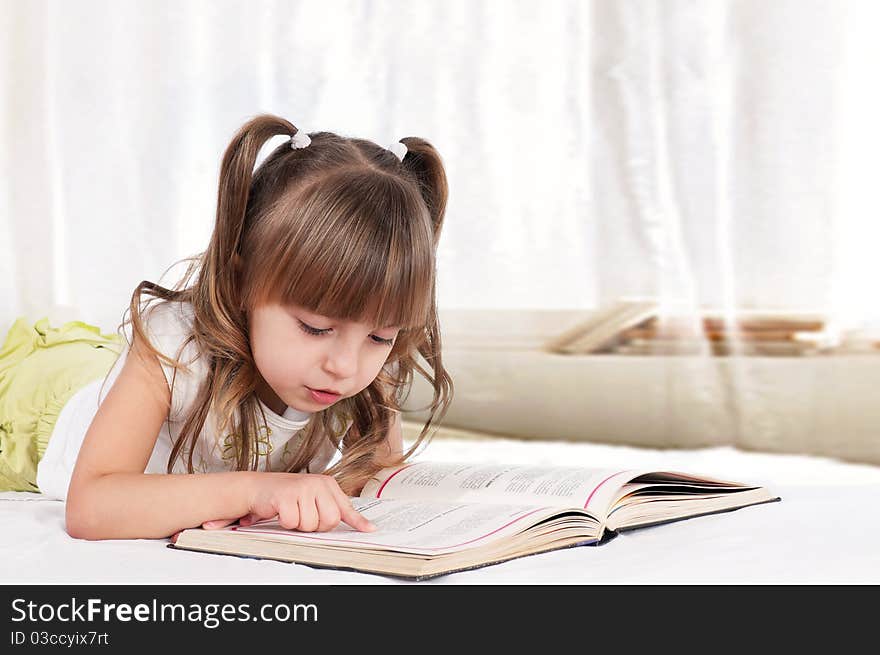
298	352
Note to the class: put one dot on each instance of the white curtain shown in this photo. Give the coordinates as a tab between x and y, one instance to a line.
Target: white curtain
715	153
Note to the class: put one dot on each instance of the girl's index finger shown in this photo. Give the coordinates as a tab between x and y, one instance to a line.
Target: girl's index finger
354	518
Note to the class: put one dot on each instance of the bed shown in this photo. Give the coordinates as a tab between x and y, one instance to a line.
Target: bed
824	531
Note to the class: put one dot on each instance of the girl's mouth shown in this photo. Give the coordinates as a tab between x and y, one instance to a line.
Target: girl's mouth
323	397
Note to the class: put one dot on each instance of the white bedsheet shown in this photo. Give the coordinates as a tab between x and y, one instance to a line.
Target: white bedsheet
825	530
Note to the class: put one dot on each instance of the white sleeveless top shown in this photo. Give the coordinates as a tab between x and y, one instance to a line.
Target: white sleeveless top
167	325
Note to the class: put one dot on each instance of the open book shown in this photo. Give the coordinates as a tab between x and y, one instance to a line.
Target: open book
435	518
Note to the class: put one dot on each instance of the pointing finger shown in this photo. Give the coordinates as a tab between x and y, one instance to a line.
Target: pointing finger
354	518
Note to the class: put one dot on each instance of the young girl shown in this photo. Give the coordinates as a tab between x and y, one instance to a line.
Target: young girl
290	340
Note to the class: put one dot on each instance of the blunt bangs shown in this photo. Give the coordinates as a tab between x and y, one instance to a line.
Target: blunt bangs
357	247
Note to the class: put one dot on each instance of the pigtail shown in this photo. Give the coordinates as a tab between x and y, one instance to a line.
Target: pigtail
222	265
220	323
423	161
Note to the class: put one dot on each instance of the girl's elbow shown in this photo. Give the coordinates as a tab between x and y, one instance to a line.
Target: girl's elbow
79	521
74	523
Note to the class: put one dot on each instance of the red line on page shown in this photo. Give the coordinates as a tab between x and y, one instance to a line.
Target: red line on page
599	485
379	493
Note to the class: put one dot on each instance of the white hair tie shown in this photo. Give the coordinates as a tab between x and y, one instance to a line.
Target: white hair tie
300	140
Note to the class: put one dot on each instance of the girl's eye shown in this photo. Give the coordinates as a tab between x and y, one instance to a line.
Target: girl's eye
310	330
315	331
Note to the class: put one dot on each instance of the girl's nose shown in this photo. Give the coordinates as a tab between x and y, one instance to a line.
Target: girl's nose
342	361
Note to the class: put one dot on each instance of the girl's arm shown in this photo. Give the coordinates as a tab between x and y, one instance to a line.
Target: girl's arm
111	498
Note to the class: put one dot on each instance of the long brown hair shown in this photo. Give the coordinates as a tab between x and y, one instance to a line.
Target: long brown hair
343	228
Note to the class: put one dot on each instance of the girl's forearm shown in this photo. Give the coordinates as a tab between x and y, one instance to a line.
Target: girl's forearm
153	505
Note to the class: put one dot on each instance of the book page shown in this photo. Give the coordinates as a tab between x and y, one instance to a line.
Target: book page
416	527
593	489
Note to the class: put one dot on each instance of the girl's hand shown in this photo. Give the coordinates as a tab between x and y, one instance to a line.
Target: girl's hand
218	523
222	523
307	502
